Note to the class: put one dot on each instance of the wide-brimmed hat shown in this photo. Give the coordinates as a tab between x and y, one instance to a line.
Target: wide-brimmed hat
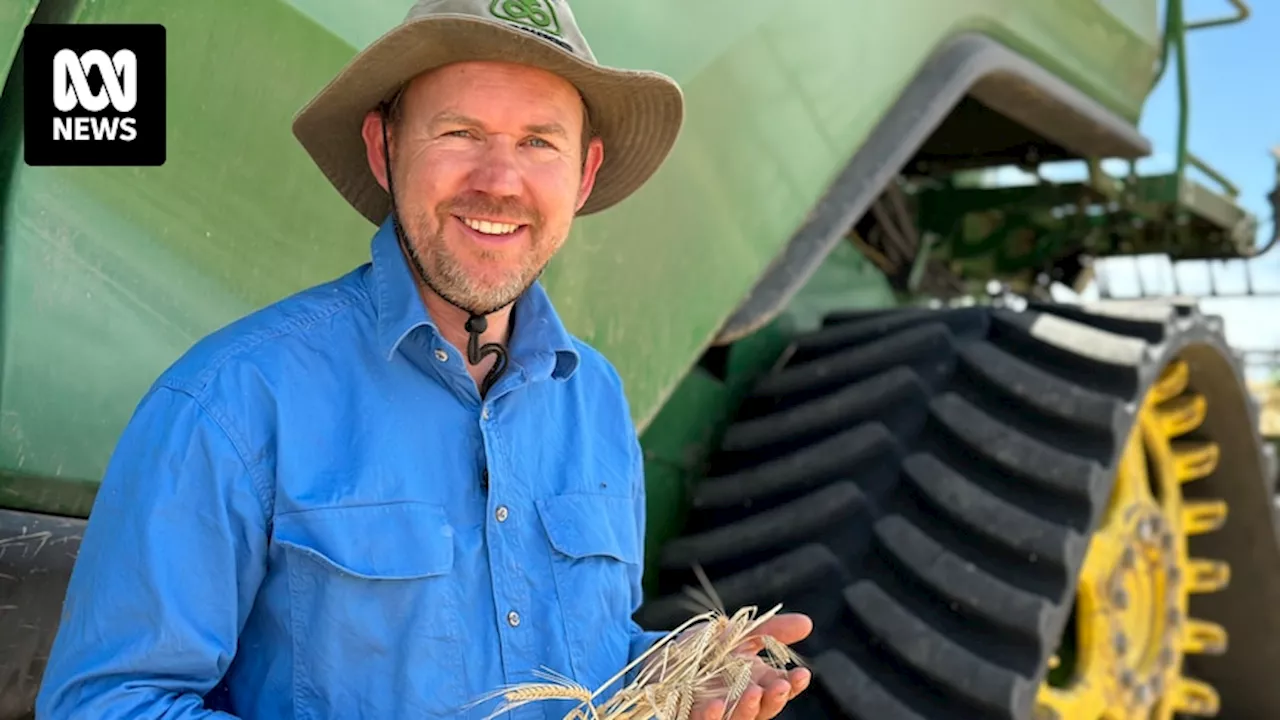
637	113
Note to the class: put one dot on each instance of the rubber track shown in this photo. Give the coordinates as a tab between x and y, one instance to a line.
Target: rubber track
923	484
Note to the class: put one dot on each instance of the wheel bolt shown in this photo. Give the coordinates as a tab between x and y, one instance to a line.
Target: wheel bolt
1127	559
1146	529
1120	643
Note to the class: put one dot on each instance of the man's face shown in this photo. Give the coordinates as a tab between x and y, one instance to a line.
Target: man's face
488	168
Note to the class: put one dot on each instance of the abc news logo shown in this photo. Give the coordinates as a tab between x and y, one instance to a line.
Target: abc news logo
95	95
71	90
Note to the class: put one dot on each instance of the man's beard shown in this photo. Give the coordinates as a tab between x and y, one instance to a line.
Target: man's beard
447	276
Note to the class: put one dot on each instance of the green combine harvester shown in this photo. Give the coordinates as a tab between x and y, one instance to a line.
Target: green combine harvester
856	394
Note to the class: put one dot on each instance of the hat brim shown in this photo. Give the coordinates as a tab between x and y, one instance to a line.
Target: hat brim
636	113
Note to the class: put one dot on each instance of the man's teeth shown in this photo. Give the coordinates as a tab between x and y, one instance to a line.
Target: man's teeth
490	228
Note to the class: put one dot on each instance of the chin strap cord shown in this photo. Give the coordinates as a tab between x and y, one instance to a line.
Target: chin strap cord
477	323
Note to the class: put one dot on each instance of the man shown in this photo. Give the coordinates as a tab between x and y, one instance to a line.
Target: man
398	491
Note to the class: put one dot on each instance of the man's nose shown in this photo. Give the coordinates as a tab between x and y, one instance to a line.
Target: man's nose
497	171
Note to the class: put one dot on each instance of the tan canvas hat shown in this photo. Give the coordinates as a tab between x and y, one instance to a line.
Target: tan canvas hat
637	113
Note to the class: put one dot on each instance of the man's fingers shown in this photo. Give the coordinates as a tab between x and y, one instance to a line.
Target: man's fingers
787	628
799	679
769	692
774	697
762	674
749	705
713	710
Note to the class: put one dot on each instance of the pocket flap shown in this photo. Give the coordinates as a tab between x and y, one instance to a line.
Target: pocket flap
391	541
581	525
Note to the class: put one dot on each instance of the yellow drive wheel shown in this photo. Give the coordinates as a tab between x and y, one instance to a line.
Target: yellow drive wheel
1122	657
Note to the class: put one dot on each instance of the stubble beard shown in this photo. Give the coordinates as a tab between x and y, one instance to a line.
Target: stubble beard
449	278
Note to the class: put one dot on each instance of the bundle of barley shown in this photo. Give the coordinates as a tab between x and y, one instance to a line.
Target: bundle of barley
680	669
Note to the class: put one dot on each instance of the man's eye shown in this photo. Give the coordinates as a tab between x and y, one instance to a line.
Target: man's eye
539	142
458	133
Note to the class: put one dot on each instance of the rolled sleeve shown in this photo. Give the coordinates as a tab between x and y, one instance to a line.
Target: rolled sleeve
169	565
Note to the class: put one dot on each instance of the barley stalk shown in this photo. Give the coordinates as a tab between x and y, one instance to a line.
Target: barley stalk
778	654
675	673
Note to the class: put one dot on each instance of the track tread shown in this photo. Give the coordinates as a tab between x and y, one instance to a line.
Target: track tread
872	397
941	470
839	456
785	526
786	576
1017	334
1038	390
979	512
933	654
1017	453
968	587
1151	330
838	335
855	692
930	345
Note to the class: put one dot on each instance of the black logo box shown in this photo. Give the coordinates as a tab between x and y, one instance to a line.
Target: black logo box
41	42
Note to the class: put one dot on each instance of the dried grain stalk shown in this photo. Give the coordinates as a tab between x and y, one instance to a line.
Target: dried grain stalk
675	673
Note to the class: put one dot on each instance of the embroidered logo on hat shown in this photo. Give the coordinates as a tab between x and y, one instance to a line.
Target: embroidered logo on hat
536	13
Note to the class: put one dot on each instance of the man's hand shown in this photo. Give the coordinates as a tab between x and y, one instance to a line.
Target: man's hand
770	689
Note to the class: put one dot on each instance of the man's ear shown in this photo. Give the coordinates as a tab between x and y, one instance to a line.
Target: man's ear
595	157
371	131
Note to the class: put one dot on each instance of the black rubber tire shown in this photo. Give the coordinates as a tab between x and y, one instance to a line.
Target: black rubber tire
923	484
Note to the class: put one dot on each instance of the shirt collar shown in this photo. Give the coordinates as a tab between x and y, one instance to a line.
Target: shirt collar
540	344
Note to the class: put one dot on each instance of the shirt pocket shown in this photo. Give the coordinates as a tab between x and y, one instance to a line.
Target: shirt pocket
595	559
374	610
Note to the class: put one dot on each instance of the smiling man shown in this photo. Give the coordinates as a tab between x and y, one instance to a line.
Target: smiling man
393	493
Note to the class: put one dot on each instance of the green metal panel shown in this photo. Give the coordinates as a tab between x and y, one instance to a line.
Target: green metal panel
110	273
779	96
14	16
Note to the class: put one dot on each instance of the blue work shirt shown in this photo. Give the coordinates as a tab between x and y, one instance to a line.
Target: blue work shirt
293	523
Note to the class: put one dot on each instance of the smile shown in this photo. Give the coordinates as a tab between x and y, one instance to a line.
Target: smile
487	227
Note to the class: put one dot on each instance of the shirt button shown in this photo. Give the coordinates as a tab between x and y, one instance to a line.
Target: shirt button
485	412
501	514
442	356
513	618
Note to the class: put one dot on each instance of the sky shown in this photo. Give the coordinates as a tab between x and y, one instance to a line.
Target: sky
1234	124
